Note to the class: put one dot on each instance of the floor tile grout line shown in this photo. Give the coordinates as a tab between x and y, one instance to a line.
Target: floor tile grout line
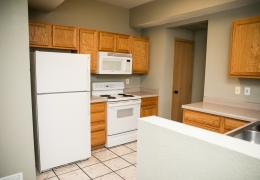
109	167
55	173
84	171
112	170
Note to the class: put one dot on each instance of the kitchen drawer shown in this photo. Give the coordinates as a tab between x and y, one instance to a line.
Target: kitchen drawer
98	138
97	126
100	116
230	124
201	118
149	101
98	107
202	127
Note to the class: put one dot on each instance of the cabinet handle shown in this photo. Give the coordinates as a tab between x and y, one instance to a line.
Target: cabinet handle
175	92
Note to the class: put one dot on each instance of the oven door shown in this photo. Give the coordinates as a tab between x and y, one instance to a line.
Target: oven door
122	116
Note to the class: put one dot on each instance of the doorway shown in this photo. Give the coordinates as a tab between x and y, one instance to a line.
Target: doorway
182	76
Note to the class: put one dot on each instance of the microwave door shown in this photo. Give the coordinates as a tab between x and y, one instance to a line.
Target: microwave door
112	65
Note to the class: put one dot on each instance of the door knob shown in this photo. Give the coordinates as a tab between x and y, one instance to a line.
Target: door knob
175	92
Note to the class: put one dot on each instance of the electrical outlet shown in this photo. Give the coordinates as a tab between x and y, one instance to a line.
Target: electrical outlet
237	90
127	81
247	91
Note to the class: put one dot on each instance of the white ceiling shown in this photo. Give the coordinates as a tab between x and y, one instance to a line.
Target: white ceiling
126	3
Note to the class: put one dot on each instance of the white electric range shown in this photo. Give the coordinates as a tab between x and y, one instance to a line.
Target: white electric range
123	112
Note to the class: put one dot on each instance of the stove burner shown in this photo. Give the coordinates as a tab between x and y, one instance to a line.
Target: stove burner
128	95
111	97
105	95
125	95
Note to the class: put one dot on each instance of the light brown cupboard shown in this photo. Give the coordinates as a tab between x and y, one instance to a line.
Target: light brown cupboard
98	124
65	37
211	122
86	41
111	42
40	34
53	36
244	48
88	44
149	107
140	52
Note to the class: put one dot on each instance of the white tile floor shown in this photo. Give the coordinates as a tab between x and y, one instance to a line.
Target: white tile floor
116	163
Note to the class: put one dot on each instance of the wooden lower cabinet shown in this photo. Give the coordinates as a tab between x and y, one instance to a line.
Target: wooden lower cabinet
211	122
98	124
149	107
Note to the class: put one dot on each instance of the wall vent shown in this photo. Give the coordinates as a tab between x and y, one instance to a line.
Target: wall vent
18	176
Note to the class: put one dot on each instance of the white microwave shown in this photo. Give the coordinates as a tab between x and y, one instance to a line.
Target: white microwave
114	63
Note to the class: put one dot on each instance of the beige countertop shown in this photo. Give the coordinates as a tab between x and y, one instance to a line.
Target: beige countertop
223	110
143	94
96	99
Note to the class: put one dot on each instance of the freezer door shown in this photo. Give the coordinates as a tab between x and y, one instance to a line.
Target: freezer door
61	72
63	128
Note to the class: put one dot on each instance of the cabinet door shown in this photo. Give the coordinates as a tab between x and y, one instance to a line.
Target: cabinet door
107	42
149	107
230	124
140	52
149	111
204	119
88	44
39	34
123	44
244	51
65	37
202	127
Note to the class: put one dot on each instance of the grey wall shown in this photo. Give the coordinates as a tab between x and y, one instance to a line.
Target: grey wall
200	47
93	14
16	135
217	82
161	63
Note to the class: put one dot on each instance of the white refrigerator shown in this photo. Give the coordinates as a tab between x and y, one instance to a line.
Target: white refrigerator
61	108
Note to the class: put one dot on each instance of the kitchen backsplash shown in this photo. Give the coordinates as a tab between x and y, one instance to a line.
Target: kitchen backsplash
227	102
134	80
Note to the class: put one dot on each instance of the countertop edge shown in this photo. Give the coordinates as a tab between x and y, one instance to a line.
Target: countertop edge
215	112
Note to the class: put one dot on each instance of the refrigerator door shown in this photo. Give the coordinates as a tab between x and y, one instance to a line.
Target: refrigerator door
63	128
61	72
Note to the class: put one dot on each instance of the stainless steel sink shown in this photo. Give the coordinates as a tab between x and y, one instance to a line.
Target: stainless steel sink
250	132
256	128
249	135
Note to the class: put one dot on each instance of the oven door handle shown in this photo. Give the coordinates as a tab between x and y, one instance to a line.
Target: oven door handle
123	103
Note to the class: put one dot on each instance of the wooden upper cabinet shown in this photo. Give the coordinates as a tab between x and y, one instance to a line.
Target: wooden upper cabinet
65	37
111	42
107	41
39	34
140	52
123	44
88	44
245	48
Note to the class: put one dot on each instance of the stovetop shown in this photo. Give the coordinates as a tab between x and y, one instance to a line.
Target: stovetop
113	91
118	97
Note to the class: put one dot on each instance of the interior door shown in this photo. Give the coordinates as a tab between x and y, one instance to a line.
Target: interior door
182	76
